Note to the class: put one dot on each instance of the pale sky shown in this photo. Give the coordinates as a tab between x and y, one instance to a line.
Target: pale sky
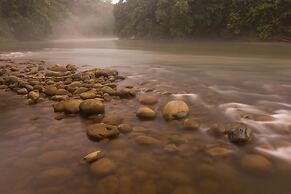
115	1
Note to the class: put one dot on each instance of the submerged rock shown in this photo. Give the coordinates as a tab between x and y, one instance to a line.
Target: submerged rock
146	113
101	131
103	166
239	134
92	107
112	119
191	124
125	128
147	140
256	164
175	109
148	100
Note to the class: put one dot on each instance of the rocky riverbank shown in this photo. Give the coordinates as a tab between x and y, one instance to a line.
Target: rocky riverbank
148	131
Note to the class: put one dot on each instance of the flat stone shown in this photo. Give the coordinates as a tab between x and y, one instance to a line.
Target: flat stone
101	131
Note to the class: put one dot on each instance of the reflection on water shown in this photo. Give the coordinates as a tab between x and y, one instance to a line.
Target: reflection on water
221	82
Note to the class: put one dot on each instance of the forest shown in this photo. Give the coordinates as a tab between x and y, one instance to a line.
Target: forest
259	19
149	19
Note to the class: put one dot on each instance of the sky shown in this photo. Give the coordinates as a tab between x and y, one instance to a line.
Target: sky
115	1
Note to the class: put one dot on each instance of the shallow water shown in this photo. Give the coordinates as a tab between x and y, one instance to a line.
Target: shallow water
220	81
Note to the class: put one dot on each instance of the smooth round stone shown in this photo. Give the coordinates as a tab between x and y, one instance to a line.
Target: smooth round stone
33	95
101	131
108	185
217	130
148	100
256	164
146	113
191	124
175	109
53	176
71	106
125	128
51	90
62	92
22	91
184	190
147	140
103	166
92	107
219	151
87	95
112	119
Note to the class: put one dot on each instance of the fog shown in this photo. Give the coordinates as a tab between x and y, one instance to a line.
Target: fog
85	19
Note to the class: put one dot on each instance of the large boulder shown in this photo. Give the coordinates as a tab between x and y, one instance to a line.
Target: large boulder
176	109
101	131
92	107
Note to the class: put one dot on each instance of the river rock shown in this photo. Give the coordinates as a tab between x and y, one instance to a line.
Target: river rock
147	140
22	91
148	100
58	68
59	107
71	106
51	90
92	107
175	109
108	90
125	128
113	119
87	95
256	164
126	93
103	166
33	95
105	72
146	113
101	131
239	133
191	124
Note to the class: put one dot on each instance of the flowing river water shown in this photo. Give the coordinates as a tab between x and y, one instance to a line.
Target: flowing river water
222	82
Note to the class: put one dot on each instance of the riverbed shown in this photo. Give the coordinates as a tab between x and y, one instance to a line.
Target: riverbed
222	82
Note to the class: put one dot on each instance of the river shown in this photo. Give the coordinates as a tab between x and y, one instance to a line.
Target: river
222	82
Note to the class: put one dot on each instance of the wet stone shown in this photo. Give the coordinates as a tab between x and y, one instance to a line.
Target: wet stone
147	140
101	131
87	95
93	156
125	128
50	90
103	167
92	107
240	134
22	91
175	109
113	119
191	124
148	100
256	164
71	106
146	113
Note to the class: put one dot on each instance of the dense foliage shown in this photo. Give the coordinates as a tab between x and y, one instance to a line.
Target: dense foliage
36	19
196	18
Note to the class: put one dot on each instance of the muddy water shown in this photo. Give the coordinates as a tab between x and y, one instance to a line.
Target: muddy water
221	82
